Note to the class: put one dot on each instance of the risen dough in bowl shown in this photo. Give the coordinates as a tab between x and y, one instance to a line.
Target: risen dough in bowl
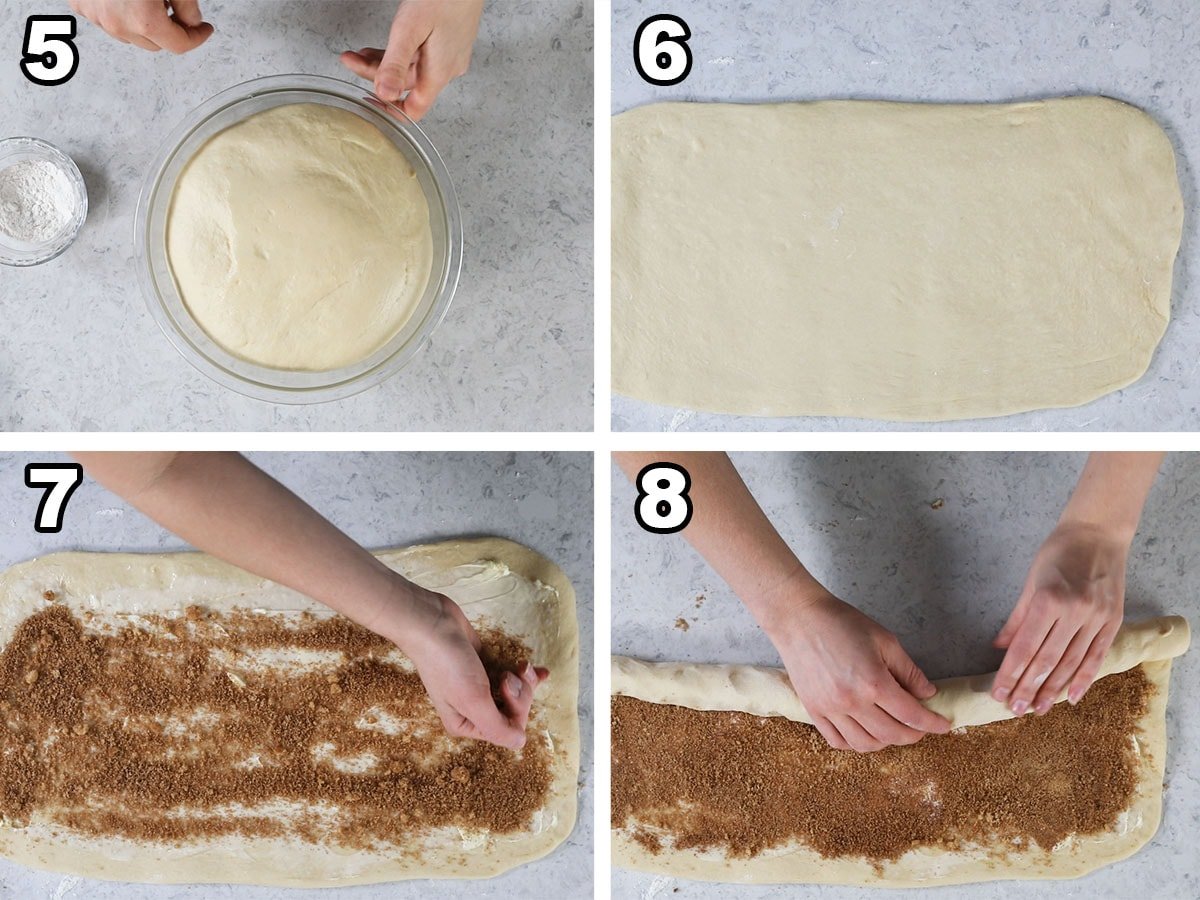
299	238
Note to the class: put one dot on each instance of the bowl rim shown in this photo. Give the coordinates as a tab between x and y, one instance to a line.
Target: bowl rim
71	168
260	382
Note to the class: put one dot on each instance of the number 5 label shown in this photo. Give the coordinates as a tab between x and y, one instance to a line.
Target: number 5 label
60	481
660	50
49	56
663	505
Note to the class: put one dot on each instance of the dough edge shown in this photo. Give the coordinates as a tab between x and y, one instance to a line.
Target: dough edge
266	862
1151	644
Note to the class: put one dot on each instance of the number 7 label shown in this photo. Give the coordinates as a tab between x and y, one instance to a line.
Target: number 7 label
60	481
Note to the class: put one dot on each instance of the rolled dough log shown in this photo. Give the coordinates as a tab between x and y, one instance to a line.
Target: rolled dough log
965	701
1150	644
889	260
299	238
498	583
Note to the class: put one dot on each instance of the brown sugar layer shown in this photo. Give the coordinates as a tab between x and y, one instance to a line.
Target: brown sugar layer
250	724
742	784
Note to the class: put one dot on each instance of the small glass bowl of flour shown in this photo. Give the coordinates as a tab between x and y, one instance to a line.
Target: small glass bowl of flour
43	201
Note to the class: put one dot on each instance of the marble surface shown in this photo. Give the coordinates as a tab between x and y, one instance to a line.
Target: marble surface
543	500
1146	53
80	351
944	580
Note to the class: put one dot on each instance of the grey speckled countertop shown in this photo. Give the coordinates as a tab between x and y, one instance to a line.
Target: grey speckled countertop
1145	52
543	500
79	349
944	580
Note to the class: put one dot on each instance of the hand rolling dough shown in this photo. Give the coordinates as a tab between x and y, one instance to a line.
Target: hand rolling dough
299	238
965	701
766	692
889	260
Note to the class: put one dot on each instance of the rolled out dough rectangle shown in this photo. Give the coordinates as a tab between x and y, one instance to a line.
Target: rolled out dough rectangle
889	260
498	584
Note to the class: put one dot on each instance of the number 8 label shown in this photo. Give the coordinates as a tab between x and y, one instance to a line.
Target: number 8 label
663	505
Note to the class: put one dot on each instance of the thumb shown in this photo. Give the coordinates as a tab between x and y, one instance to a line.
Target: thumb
1013	625
490	723
392	77
907	672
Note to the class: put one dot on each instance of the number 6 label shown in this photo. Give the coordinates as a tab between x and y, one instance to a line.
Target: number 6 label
48	56
660	50
663	505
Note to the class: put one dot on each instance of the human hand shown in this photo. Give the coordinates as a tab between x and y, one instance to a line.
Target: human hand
446	651
153	25
428	47
1065	620
853	677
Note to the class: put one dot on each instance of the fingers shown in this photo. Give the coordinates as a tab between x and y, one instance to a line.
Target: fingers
171	35
403	43
1040	665
886	729
856	736
432	75
516	690
1025	643
364	63
901	697
1013	625
907	672
488	722
187	12
906	709
478	716
832	736
1064	671
360	64
1086	673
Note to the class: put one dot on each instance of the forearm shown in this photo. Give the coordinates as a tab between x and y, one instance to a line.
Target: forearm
222	504
1111	492
729	529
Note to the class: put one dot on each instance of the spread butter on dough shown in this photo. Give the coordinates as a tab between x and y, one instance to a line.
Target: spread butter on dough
762	691
889	260
499	584
299	238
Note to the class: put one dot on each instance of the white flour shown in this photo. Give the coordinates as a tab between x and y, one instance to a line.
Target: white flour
36	201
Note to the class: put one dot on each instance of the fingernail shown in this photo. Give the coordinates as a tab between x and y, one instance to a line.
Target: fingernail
1001	694
1073	696
1020	707
528	674
1044	707
514	684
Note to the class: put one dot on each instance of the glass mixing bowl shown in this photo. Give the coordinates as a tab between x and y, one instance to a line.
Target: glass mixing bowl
162	295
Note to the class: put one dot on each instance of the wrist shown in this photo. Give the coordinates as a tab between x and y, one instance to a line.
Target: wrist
409	613
779	606
1096	528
